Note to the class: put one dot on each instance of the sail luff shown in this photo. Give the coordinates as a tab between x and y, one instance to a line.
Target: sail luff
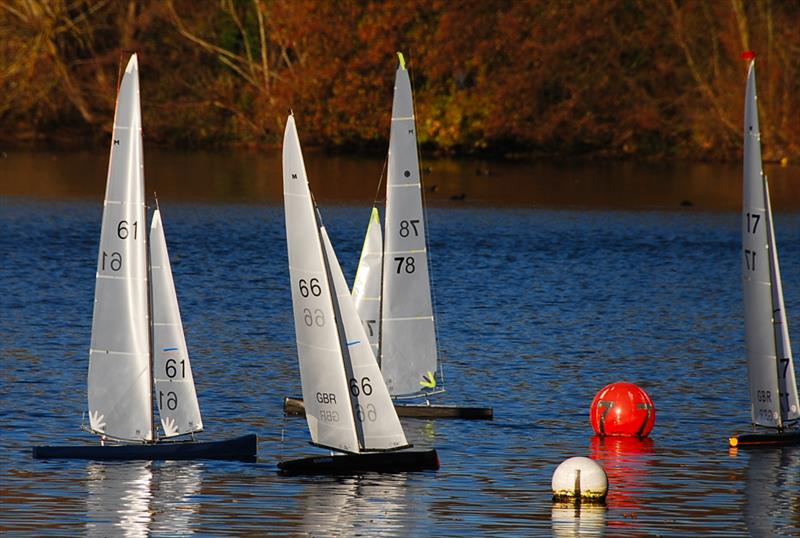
328	411
119	382
408	333
376	420
175	393
787	385
756	275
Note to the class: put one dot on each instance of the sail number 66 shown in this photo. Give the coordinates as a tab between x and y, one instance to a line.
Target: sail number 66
312	287
366	388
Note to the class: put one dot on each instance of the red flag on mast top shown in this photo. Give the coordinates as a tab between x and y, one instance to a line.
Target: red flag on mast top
748	55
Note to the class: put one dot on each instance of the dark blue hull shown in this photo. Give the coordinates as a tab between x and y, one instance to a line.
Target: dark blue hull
242	448
348	464
766	439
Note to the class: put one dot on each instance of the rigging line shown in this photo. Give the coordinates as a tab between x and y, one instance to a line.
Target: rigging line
425	215
380	180
150	331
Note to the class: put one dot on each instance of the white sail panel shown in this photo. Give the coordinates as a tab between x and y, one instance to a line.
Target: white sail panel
377	424
408	334
328	411
756	275
367	284
172	373
787	384
119	386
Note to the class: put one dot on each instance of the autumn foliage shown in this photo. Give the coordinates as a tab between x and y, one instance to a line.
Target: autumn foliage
613	78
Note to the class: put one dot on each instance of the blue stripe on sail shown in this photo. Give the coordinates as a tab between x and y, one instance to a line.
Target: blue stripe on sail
354	343
170	349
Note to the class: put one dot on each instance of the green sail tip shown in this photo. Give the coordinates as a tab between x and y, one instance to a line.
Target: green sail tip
402	60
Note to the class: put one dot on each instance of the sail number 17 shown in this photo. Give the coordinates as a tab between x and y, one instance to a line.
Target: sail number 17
752	221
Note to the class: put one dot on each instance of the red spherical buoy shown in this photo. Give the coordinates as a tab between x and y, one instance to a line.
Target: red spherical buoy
622	409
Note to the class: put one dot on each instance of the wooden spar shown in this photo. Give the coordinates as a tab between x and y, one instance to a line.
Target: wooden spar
295	407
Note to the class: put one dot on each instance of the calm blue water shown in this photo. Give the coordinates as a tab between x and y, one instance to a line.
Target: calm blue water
537	310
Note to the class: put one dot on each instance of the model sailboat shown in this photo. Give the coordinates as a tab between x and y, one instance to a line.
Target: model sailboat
770	369
138	350
349	408
392	290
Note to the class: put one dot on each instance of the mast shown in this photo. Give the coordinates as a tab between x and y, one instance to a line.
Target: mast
151	352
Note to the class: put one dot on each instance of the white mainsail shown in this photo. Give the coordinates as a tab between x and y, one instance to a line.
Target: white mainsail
770	370
325	392
119	380
367	284
172	374
408	334
377	424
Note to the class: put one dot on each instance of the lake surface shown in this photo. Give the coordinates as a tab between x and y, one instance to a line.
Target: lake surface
550	282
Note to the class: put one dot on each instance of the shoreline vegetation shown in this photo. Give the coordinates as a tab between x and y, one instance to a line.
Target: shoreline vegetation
618	79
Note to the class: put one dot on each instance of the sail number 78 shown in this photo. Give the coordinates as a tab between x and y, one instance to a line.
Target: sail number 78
405	262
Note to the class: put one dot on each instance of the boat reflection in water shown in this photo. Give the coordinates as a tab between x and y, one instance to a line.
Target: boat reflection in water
141	498
370	505
771	490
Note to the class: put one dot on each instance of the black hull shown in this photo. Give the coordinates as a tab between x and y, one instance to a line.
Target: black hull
242	448
295	407
349	464
765	439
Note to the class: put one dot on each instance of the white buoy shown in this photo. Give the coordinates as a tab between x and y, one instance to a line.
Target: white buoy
580	480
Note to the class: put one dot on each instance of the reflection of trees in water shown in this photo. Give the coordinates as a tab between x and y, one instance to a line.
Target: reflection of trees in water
772	491
369	505
139	498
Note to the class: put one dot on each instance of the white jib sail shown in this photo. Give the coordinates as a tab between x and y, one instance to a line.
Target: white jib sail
761	291
408	333
174	385
325	393
377	424
119	380
367	284
787	385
